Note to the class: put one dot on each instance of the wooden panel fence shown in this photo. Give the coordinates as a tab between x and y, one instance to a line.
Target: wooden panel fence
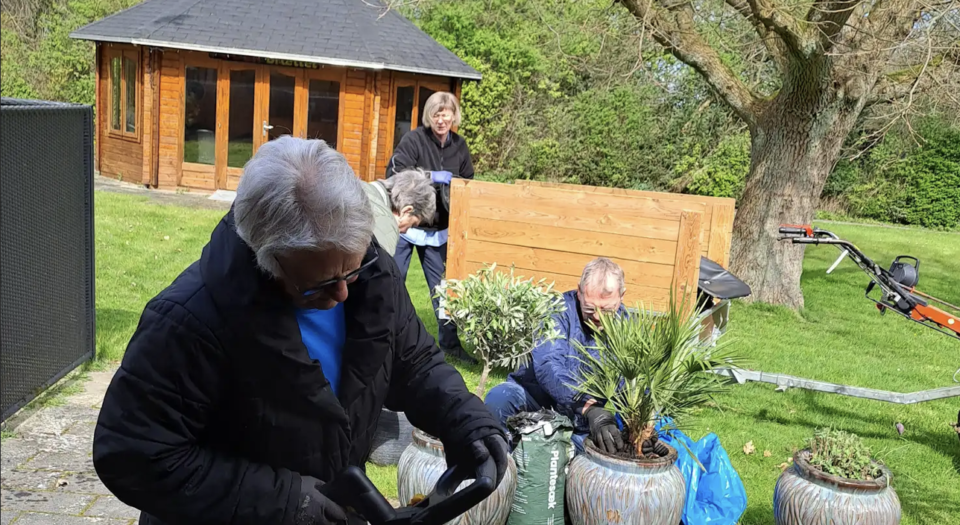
716	230
553	233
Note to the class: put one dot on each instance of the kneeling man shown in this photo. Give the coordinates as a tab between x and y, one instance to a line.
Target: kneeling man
544	383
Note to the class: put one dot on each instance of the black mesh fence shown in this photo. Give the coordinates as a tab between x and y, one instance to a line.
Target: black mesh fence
46	245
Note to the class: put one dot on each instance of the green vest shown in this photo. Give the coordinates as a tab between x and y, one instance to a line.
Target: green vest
384	221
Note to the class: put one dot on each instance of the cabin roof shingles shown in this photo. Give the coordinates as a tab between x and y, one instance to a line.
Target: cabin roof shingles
336	32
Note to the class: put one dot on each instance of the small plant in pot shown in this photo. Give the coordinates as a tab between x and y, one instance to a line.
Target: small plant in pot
500	317
647	367
835	479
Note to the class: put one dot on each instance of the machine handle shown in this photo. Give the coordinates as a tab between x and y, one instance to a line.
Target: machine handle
352	490
790	229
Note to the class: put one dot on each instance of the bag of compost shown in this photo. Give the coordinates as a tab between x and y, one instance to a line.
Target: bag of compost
543	449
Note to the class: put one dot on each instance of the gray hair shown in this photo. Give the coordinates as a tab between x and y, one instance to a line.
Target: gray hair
412	188
438	102
599	271
298	194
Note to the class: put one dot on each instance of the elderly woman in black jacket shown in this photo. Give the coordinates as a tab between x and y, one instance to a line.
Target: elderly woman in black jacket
260	372
436	148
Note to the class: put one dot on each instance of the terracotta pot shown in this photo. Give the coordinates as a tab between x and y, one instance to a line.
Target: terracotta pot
805	495
422	464
604	489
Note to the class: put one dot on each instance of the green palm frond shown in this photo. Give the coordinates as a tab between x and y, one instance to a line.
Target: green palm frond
650	365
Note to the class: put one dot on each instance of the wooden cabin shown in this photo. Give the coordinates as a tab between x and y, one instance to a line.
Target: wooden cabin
188	90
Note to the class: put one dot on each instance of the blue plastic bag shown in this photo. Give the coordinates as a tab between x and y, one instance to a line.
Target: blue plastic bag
716	496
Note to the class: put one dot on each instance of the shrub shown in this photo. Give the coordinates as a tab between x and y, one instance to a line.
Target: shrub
500	316
842	454
723	172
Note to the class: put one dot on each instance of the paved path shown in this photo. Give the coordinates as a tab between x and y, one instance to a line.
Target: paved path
191	199
47	472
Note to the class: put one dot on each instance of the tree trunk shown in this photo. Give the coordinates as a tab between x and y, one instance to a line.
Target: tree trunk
796	142
482	385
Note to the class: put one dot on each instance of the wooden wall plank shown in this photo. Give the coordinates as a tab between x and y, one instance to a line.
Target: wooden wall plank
596	244
171	119
567	263
352	122
687	262
98	105
558	213
657	299
386	119
198	176
368	128
721	234
458	231
506	224
716	225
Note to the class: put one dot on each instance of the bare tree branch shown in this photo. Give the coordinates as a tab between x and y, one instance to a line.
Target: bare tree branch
772	41
673	28
829	17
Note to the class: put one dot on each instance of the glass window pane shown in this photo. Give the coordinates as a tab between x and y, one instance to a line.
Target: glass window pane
281	105
240	138
130	85
404	113
424	95
323	111
200	115
115	93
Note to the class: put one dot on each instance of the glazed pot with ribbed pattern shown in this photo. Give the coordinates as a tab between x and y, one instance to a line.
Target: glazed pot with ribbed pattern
422	464
805	495
603	489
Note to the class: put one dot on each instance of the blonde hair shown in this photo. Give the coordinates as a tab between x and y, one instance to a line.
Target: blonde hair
438	102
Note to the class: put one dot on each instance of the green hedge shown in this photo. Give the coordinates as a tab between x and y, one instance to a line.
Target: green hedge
905	179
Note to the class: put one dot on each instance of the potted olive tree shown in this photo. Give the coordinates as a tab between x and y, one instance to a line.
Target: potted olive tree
647	367
835	480
500	317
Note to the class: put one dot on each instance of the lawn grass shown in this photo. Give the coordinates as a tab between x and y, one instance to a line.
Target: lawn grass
839	337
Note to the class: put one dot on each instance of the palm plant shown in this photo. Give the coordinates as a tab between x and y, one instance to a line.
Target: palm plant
649	366
500	316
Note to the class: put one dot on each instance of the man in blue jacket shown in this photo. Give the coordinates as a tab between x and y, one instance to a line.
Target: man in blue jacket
544	382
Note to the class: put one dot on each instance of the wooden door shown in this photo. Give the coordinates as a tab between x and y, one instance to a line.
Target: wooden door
238	124
201	109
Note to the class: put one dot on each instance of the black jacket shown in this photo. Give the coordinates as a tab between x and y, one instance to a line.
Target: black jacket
217	407
420	148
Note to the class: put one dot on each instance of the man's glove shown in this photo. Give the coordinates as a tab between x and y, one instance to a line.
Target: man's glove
655	447
478	452
313	508
603	429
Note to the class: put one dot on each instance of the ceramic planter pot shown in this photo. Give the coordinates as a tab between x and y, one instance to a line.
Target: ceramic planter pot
604	489
422	464
805	496
394	434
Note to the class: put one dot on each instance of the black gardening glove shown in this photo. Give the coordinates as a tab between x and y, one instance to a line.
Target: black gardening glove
314	508
603	429
478	451
654	446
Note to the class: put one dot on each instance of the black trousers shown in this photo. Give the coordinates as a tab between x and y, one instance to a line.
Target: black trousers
433	259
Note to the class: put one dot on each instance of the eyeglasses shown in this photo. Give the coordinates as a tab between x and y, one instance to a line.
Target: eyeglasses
350	277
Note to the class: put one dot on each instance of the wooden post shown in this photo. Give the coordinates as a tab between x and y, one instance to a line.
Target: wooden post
374	129
222	137
458	229
97	108
366	135
687	262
